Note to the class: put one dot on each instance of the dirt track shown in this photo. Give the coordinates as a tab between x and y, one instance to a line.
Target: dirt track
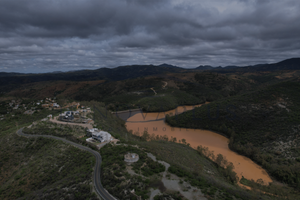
89	126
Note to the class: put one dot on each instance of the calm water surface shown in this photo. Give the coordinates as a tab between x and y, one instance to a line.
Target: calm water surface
154	123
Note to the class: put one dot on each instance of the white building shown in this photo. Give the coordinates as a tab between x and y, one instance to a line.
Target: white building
66	114
93	130
56	105
101	136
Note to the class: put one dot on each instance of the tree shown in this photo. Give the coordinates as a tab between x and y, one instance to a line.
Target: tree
219	159
146	136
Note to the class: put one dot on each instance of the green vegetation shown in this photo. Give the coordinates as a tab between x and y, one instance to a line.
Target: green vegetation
70	132
147	166
50	128
199	88
106	121
3	109
196	169
261	120
35	168
182	157
168	195
116	178
259	124
167	101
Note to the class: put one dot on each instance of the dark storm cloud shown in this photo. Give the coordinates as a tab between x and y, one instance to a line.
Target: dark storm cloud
73	34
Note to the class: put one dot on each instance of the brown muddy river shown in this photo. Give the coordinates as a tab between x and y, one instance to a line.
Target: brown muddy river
154	123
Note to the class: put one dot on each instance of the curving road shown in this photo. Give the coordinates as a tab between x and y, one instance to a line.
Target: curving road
97	181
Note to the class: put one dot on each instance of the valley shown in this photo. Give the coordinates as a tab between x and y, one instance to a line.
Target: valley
216	143
244	130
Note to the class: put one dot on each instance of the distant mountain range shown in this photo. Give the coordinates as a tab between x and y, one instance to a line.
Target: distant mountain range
289	64
135	71
204	67
167	65
2	74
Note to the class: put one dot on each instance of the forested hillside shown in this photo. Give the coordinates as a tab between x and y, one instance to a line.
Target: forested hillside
263	125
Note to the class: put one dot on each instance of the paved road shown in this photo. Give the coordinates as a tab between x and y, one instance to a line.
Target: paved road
97	181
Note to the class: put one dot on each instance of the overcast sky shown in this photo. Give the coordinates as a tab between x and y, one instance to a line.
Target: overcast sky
64	35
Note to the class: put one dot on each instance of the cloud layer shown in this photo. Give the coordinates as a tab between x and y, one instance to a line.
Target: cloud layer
62	35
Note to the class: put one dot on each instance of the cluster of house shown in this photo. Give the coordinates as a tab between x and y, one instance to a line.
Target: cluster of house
46	103
15	104
50	103
101	136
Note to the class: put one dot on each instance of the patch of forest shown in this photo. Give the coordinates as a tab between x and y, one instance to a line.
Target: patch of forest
40	168
262	125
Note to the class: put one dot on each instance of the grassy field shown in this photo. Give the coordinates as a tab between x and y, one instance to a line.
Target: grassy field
116	178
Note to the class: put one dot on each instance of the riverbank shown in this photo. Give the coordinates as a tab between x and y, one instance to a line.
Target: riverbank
215	142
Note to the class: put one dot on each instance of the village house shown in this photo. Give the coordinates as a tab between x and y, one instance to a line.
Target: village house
67	115
56	105
90	132
101	136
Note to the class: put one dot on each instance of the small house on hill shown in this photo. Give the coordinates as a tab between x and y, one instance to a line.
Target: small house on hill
101	136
